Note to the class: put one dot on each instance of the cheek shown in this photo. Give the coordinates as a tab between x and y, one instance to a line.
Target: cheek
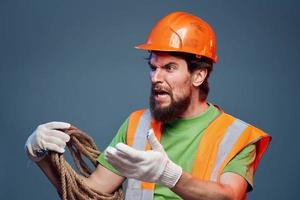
181	88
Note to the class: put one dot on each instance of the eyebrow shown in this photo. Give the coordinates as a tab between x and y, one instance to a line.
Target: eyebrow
150	64
166	65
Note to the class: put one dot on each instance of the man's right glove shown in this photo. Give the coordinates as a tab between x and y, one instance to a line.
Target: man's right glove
47	137
151	166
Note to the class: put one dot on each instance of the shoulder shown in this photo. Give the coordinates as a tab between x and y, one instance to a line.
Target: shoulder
238	122
138	112
247	133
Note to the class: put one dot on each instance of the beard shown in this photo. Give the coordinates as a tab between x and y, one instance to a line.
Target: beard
171	112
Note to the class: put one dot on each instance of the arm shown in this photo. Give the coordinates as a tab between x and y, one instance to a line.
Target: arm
48	169
237	177
231	186
155	166
101	180
50	137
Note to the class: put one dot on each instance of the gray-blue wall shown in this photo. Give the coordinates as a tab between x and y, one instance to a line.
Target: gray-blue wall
74	61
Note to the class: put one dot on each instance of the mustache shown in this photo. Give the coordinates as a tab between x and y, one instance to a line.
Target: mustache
157	88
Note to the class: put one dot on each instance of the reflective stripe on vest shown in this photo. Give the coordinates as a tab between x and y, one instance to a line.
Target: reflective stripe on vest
138	126
231	136
224	138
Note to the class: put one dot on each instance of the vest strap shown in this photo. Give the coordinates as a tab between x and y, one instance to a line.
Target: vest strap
139	124
224	138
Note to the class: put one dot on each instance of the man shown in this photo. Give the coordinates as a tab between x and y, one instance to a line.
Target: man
183	147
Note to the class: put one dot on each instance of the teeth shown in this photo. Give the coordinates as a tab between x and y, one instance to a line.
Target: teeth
162	94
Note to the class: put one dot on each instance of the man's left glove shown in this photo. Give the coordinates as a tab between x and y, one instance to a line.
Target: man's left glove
150	166
47	137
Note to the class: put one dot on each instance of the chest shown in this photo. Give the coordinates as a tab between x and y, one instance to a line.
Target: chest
182	145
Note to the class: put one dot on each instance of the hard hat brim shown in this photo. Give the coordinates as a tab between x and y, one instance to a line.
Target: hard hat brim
151	47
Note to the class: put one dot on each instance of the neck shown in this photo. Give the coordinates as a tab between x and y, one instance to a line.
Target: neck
195	109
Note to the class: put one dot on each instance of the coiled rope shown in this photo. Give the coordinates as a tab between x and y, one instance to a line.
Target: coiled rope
72	185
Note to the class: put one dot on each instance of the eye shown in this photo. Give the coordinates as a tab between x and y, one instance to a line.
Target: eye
170	68
152	67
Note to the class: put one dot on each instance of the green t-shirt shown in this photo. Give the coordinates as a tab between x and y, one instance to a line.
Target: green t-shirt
180	140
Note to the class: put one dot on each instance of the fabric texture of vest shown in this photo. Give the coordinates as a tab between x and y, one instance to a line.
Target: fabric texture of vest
223	139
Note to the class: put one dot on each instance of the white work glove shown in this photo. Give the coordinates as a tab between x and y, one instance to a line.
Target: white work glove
45	138
150	166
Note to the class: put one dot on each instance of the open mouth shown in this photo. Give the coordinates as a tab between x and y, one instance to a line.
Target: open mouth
160	94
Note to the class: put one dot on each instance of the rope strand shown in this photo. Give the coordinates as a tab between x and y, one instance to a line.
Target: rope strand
72	185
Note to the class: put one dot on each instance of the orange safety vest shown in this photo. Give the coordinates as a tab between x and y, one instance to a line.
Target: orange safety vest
223	139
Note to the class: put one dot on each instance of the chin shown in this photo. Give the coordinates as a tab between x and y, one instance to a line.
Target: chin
162	105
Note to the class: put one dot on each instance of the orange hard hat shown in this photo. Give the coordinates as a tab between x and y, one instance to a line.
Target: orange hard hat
182	32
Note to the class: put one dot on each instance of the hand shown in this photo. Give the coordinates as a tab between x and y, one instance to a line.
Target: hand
150	166
45	138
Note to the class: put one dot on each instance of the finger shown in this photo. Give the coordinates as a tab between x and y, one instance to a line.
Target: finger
110	150
59	134
154	143
129	152
116	160
55	140
126	153
57	125
150	131
121	167
126	170
113	153
54	147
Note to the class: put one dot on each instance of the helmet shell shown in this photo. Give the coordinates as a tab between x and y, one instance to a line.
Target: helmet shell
182	32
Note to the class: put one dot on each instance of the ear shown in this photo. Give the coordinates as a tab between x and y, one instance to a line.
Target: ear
198	76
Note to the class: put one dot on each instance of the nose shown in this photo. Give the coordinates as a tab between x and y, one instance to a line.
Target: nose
156	75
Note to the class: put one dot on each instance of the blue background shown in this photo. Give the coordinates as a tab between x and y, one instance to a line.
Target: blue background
74	61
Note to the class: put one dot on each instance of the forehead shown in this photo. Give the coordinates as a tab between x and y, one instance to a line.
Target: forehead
163	58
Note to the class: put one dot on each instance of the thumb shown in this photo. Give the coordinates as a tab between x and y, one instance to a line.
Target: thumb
153	141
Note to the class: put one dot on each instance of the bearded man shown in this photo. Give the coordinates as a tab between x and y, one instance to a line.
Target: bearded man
183	147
